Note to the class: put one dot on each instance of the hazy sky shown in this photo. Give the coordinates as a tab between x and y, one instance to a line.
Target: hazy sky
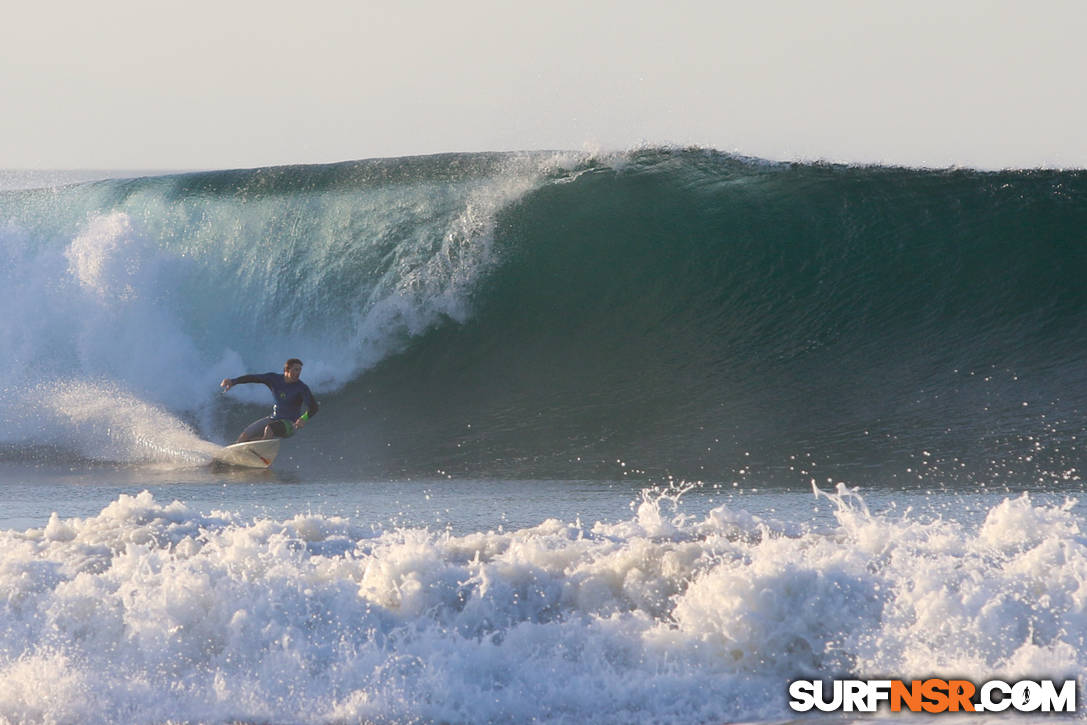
214	84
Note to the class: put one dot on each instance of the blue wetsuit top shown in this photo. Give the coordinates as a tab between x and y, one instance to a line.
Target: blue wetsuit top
289	397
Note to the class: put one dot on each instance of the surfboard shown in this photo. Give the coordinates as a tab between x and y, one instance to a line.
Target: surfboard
252	454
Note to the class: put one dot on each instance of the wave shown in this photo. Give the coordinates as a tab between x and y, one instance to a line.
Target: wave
550	314
151	612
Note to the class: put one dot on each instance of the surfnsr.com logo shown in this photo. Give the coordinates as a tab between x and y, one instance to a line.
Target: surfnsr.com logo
933	695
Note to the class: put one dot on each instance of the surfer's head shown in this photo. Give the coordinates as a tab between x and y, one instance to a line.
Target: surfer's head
292	369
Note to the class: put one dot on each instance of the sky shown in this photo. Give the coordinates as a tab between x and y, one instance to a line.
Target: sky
131	84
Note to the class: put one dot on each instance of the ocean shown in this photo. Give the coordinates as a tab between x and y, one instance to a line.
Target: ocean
636	437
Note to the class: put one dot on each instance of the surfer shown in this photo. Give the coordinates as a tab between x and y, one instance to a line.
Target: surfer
289	392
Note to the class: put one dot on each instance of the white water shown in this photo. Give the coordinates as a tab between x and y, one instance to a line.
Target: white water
150	612
148	299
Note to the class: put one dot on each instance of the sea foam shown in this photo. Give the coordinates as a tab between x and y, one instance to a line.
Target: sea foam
153	612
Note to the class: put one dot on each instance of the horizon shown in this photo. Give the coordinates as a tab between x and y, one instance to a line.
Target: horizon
985	85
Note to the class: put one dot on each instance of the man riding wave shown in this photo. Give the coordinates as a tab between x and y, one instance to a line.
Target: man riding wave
290	394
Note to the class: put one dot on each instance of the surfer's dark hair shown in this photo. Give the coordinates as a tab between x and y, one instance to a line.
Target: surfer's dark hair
290	362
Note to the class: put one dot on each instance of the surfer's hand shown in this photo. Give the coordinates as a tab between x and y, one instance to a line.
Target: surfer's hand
226	384
299	424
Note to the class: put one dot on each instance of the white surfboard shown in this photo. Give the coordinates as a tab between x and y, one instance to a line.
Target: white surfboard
253	454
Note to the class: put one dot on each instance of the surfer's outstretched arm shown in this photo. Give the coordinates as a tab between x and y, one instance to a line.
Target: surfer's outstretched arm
229	383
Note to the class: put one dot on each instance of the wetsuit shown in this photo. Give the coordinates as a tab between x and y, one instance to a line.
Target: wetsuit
289	398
